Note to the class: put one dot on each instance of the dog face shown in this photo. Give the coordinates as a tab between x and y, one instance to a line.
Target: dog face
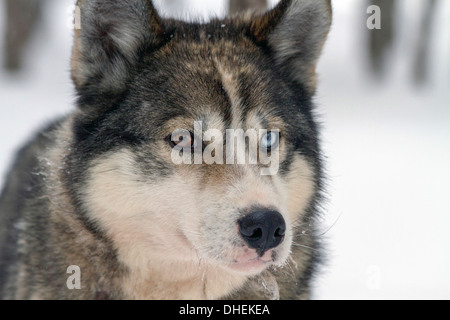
161	172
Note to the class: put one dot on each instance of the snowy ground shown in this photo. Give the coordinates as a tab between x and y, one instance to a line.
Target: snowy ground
388	148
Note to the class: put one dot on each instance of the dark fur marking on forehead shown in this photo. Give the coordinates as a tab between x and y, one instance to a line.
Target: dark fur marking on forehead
227	110
247	90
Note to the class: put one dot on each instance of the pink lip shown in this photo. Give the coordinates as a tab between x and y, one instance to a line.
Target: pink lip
251	265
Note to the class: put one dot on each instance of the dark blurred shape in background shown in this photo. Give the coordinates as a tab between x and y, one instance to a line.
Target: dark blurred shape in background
380	40
22	17
421	70
242	5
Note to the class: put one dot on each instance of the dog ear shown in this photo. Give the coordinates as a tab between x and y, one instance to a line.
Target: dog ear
111	36
295	32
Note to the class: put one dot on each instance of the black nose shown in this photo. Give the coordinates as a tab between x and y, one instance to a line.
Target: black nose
263	230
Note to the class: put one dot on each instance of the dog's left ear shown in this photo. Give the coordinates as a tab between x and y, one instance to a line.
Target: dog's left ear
295	32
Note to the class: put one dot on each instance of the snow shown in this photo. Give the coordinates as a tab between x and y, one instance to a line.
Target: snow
387	145
388	154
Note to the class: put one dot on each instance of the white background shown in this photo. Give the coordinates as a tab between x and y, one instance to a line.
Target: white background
387	221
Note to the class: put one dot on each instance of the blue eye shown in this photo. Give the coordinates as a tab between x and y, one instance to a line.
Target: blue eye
270	140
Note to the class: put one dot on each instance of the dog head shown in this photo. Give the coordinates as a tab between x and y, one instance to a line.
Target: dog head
163	107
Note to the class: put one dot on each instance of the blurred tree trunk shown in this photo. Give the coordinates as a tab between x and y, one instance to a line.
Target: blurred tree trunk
380	40
423	50
21	16
243	5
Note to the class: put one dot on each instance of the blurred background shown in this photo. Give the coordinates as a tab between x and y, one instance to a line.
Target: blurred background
383	101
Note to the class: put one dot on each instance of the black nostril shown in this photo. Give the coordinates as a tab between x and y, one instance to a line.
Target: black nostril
263	229
280	232
256	234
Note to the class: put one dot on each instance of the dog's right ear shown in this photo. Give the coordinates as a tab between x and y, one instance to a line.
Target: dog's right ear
113	35
295	32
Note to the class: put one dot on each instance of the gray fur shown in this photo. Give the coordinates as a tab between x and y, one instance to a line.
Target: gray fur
297	52
111	37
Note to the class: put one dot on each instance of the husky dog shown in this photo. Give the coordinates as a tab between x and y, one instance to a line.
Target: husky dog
95	206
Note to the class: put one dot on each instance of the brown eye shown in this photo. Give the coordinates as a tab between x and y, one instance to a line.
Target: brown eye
182	139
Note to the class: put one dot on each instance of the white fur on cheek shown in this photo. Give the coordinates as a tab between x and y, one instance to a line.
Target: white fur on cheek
299	185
